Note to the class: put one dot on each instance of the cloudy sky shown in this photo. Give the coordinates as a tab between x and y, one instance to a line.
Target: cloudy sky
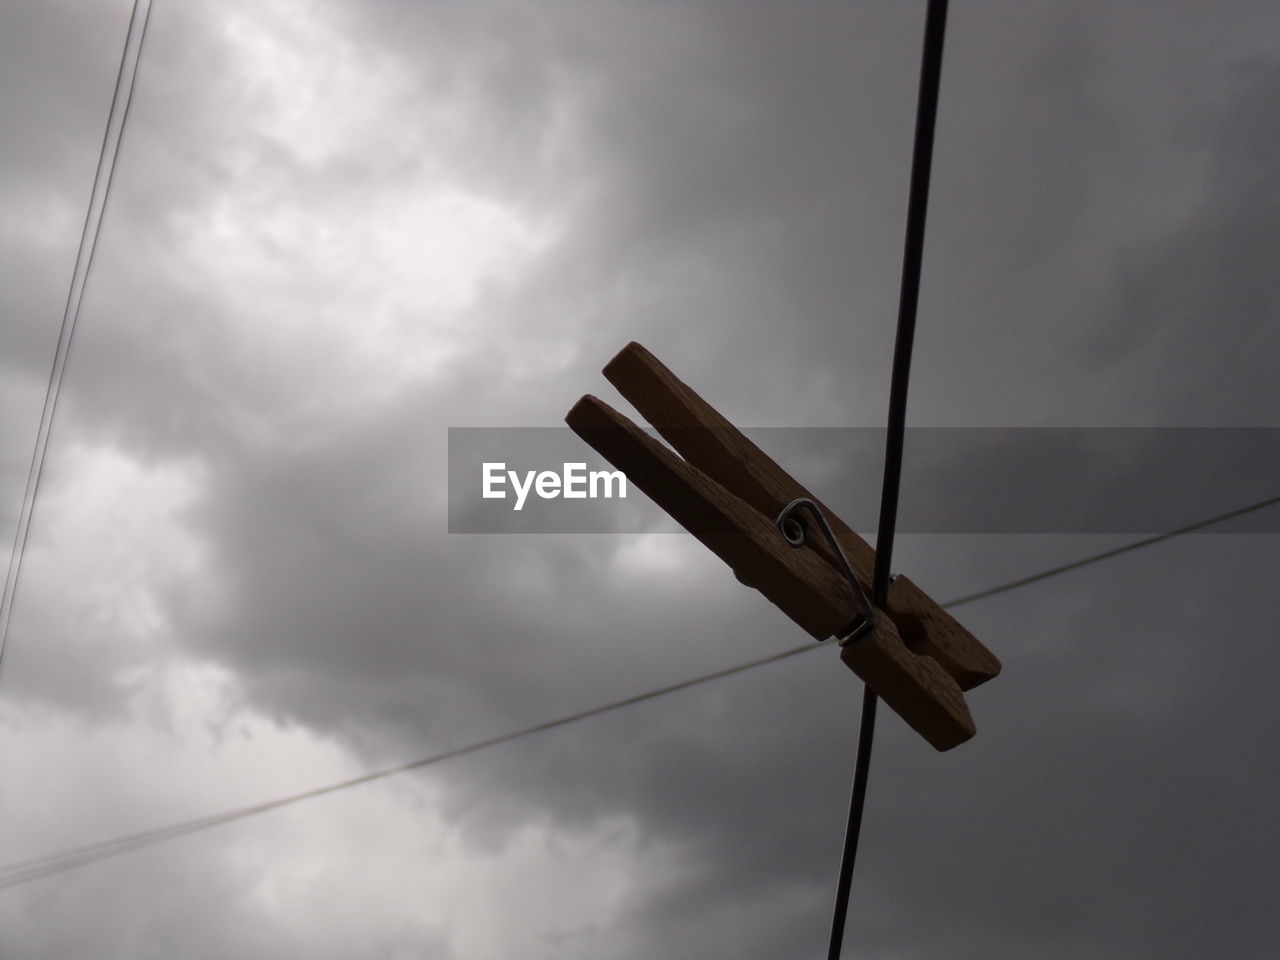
339	228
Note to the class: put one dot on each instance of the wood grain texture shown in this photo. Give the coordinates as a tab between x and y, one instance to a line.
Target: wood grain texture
916	687
706	439
798	582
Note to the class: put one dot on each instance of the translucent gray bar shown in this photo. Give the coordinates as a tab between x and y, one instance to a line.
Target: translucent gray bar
955	480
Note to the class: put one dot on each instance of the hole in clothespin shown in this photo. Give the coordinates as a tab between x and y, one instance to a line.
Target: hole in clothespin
914	632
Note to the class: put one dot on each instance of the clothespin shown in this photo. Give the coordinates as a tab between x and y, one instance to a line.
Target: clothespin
728	493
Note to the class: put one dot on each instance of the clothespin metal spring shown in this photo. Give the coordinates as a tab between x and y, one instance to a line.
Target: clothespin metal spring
793	531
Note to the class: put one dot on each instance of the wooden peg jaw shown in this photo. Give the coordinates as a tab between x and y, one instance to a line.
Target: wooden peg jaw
797	581
812	594
706	439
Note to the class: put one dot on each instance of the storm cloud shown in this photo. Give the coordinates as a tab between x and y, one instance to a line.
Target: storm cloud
339	229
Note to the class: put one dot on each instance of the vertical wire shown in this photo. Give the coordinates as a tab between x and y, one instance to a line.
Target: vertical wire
912	258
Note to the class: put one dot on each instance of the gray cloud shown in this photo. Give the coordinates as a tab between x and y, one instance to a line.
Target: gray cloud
272	374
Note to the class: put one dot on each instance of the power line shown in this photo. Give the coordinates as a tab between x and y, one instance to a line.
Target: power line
25	871
1135	545
90	232
908	300
34	869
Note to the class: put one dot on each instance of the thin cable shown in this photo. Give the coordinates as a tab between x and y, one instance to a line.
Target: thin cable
908	301
104	175
25	871
1136	545
909	296
28	870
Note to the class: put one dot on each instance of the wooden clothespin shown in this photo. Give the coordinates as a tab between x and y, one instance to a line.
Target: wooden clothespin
728	493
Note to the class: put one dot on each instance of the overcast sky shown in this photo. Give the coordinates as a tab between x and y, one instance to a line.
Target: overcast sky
340	228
